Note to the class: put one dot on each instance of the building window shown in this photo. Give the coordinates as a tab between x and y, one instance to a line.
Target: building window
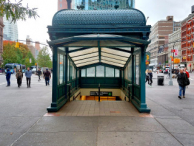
91	72
100	71
109	72
117	73
60	5
137	69
83	73
61	70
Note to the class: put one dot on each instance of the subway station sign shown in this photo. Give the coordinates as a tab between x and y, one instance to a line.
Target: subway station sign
102	93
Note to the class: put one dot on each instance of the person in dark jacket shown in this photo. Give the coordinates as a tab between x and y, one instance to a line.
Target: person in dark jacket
19	76
47	76
39	74
147	76
181	79
8	76
150	77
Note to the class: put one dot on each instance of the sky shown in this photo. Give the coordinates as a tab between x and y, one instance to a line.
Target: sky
154	9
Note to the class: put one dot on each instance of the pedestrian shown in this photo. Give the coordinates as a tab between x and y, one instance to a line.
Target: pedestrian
169	72
39	74
147	76
187	73
19	76
8	76
47	76
28	75
183	81
150	77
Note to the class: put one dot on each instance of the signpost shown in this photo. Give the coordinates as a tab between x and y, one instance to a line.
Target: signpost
171	82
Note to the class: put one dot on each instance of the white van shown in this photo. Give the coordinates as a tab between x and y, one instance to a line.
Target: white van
182	66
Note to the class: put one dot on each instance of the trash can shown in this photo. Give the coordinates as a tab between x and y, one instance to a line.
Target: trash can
160	80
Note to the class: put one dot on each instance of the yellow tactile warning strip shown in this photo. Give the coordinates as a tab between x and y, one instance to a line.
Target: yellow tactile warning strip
94	108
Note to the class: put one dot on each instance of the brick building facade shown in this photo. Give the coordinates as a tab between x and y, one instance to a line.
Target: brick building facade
34	49
159	37
187	44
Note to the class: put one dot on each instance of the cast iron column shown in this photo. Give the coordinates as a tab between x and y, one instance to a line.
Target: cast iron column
66	65
99	93
54	107
133	71
143	105
55	75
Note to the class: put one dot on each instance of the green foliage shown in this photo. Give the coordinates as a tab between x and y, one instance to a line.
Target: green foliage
21	55
27	60
44	59
9	54
16	11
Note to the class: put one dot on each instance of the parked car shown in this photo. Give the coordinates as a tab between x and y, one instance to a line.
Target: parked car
34	70
154	70
160	71
165	71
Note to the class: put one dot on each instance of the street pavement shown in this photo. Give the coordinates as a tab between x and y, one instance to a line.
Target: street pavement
23	121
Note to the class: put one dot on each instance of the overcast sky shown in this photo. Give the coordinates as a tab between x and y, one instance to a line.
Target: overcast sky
155	9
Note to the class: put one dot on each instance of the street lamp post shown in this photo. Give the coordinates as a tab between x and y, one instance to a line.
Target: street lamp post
172	51
173	56
170	82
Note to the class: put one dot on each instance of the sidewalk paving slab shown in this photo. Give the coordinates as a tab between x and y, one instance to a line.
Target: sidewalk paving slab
136	139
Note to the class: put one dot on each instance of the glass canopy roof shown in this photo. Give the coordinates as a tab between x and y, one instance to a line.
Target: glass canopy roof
106	55
109	49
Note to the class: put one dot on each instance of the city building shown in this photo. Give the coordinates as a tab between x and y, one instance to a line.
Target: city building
10	30
95	4
34	49
1	40
158	47
175	43
187	44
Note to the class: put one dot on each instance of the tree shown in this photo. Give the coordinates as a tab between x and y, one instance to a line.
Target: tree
21	55
29	57
15	11
44	59
9	54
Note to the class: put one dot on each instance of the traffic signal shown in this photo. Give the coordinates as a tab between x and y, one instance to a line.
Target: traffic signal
171	58
148	57
147	62
173	50
35	64
17	45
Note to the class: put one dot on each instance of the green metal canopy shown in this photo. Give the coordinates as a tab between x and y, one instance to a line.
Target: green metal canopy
132	17
114	40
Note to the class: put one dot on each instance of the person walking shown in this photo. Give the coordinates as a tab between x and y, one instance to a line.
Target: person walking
8	76
187	73
150	77
47	76
39	74
19	76
182	80
147	76
28	75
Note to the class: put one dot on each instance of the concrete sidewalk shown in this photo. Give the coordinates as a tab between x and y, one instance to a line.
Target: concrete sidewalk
25	122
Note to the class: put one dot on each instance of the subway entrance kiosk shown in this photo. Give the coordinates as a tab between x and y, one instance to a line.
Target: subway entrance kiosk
99	53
